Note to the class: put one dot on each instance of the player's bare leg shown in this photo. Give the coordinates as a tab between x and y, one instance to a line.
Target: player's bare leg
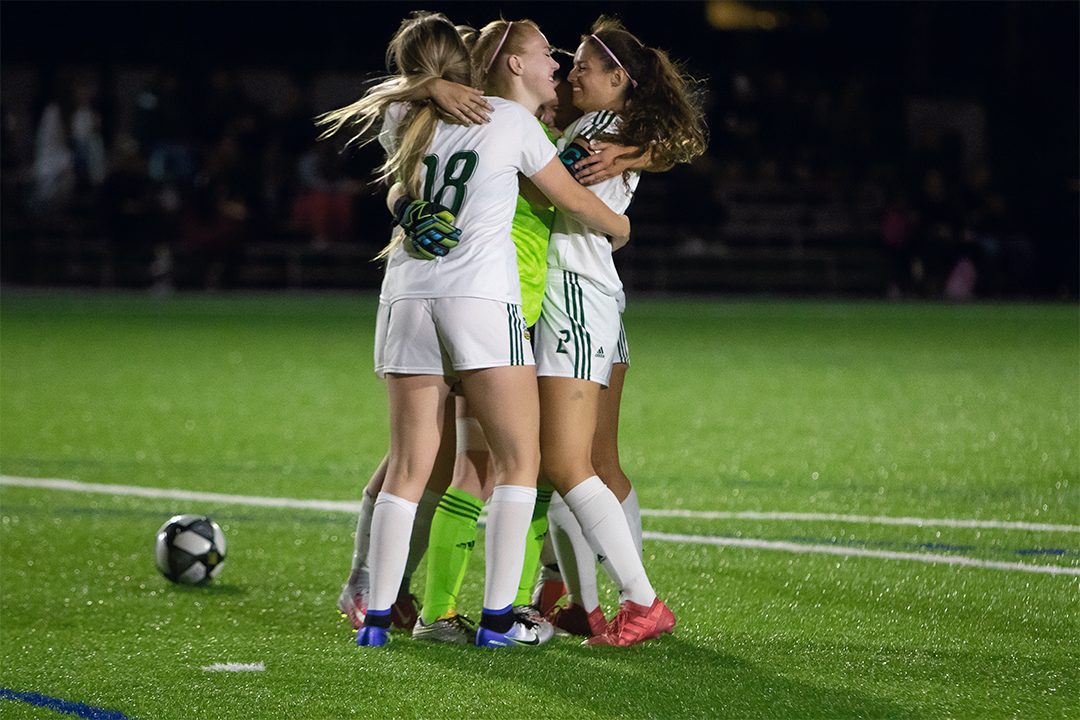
605	451
353	600
570	412
504	402
417	420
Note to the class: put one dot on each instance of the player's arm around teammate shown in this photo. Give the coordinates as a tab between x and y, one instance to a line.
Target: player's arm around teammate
630	93
442	317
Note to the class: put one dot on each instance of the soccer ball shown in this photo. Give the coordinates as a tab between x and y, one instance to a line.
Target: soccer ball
190	549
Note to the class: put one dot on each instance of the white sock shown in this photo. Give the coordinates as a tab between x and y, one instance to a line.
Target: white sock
358	577
421	531
605	527
632	511
509	515
391	525
577	561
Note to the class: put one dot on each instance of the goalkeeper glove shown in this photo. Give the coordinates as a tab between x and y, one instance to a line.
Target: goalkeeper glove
428	226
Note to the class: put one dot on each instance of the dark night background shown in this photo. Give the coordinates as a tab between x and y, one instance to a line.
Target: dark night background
856	148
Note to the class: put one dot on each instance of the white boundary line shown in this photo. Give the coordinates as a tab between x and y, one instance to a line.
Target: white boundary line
151	492
862	519
860	552
352	507
844	551
235	667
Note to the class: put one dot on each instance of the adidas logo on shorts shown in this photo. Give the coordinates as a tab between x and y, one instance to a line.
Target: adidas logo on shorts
600	353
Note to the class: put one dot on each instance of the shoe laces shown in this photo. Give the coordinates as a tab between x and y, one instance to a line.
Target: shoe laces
462	622
622	619
523	616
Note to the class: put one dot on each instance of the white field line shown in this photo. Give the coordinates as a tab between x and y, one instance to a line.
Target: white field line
235	667
150	492
352	507
845	551
862	519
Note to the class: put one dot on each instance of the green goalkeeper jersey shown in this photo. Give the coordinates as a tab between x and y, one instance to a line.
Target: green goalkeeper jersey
530	232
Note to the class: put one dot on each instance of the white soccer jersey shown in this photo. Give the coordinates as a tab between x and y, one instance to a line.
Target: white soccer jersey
574	246
473	171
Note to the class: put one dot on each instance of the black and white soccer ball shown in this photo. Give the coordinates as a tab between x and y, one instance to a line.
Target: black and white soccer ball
190	549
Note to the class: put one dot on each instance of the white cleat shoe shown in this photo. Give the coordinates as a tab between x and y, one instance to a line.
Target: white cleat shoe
523	633
456	629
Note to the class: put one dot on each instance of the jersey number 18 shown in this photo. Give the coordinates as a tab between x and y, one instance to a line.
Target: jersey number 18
459	168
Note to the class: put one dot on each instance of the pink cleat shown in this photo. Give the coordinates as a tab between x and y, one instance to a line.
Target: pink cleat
635	624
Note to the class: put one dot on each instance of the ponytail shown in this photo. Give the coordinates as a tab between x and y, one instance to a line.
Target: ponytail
663	112
426	46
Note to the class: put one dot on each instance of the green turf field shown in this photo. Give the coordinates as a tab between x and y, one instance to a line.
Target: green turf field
870	411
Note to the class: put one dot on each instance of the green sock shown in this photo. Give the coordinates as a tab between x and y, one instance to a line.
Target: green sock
453	535
537	530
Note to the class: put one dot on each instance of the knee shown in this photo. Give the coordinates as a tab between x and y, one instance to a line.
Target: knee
517	461
564	472
605	461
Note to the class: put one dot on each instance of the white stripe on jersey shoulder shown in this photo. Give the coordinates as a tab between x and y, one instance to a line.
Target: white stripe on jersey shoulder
598	124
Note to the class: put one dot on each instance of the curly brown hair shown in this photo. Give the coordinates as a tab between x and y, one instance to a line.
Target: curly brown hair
663	112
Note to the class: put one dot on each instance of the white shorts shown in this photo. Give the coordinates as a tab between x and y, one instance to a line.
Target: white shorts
443	336
579	330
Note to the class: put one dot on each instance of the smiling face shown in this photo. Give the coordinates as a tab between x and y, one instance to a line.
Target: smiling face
594	87
538	68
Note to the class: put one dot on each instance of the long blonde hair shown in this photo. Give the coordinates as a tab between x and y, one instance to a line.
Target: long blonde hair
426	46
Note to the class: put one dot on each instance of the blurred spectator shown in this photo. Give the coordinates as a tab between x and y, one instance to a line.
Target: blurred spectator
138	227
214	221
896	237
87	144
54	165
323	209
291	134
162	131
16	155
937	232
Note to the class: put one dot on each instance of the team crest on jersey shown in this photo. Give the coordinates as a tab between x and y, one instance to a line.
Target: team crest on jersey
527	334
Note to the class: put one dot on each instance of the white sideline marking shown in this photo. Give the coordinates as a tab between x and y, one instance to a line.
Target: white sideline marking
235	667
352	507
862	519
860	552
785	546
148	492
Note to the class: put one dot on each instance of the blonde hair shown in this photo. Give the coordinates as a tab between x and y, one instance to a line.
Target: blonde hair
426	46
486	48
468	35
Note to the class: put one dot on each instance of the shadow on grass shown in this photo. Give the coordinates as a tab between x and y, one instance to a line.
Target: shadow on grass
214	589
669	678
